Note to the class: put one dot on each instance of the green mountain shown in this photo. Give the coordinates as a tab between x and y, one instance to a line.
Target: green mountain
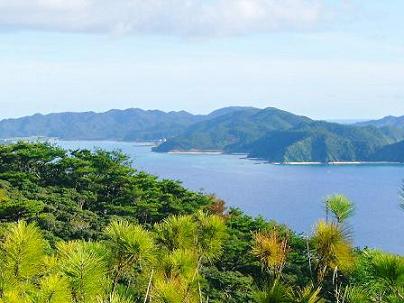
280	136
123	125
389	121
128	125
270	133
234	129
392	153
320	142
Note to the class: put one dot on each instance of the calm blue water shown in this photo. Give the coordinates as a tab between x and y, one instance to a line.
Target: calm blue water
289	194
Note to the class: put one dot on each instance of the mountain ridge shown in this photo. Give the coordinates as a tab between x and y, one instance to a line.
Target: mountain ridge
270	133
387	121
281	136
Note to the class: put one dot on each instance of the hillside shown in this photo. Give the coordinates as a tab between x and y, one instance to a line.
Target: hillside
83	226
279	136
270	133
131	124
392	152
128	125
319	142
389	121
235	128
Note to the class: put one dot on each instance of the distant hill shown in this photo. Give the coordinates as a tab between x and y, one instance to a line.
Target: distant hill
270	133
392	153
389	121
280	136
228	110
236	128
132	124
320	142
128	125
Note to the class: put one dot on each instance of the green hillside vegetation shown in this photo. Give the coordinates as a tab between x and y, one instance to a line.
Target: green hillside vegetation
392	152
127	125
320	142
236	128
270	133
132	124
84	227
389	121
279	136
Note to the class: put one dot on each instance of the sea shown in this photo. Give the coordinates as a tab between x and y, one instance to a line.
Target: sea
290	194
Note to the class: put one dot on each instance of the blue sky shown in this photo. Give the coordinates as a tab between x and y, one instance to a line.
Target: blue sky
324	59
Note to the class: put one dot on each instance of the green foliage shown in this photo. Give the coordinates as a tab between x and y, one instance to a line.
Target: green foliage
340	206
308	294
356	295
333	249
54	289
22	252
74	195
131	124
84	269
379	276
279	136
92	229
275	293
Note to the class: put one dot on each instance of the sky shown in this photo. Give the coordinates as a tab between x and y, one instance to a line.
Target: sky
326	59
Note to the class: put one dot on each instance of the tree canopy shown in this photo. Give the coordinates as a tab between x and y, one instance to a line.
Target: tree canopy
84	226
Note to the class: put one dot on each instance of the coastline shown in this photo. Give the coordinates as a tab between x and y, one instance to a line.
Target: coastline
196	152
154	143
337	163
287	163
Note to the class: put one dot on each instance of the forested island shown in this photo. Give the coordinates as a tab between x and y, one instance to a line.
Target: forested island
279	136
84	226
269	134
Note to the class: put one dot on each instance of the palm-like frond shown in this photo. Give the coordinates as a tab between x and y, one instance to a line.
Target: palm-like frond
211	233
271	249
340	206
115	298
275	293
173	291
177	232
54	289
308	294
85	270
13	296
356	295
129	244
333	247
180	264
22	252
389	268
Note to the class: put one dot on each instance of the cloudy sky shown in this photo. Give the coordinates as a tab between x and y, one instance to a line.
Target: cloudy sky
327	59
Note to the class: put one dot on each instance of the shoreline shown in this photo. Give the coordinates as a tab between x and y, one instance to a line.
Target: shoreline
196	152
337	163
152	144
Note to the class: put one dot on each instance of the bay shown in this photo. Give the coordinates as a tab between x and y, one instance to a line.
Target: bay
289	194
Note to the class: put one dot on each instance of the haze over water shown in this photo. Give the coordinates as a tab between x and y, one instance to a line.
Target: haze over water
288	194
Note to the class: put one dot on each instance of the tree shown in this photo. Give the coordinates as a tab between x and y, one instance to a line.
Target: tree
53	289
22	251
333	249
85	269
389	270
275	293
271	250
131	247
340	206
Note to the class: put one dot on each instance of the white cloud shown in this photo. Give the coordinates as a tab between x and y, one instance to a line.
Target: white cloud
178	17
